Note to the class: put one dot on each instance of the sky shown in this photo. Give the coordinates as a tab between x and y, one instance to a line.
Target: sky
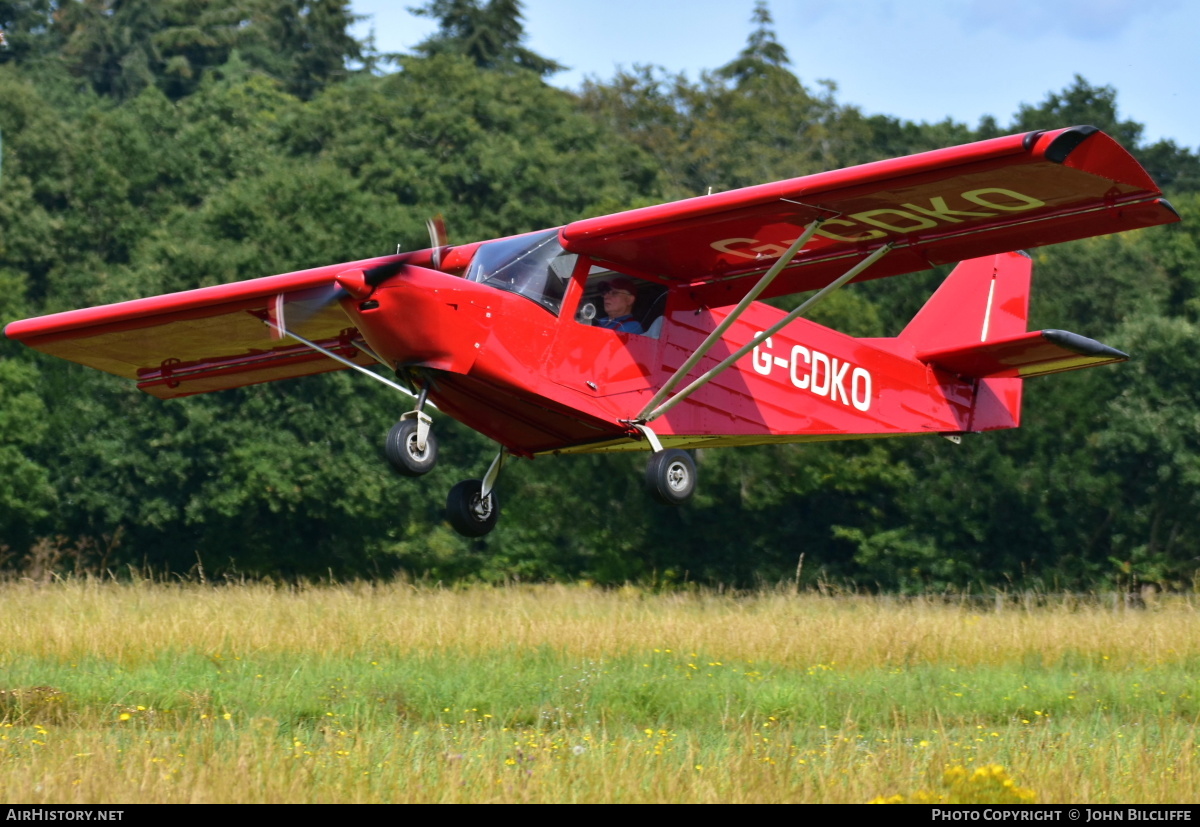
921	61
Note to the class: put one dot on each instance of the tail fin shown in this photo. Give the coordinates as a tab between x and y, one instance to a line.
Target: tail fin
974	327
982	300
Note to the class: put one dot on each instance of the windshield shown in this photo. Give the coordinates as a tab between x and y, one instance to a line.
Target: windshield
534	266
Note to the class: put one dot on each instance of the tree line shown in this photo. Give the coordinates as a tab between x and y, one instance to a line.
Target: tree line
159	146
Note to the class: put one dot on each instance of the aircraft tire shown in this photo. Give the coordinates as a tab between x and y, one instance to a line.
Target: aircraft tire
402	452
468	514
671	476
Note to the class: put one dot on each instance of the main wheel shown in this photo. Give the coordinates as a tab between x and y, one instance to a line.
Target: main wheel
671	476
469	514
402	451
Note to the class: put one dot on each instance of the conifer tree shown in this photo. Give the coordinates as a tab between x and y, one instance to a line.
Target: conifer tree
763	53
488	34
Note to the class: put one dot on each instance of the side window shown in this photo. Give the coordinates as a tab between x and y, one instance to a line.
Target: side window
615	301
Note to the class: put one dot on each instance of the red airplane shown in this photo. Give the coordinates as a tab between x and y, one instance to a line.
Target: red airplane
640	331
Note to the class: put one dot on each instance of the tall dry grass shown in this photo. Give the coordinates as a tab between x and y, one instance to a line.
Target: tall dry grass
126	622
135	692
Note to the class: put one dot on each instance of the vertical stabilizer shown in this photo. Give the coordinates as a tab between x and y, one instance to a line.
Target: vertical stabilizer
982	300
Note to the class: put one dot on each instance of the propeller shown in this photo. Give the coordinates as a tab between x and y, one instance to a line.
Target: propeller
437	238
353	283
284	313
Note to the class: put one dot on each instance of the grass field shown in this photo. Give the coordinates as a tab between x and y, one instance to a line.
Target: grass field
143	692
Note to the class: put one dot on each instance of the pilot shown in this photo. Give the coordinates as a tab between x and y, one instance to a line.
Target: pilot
619	296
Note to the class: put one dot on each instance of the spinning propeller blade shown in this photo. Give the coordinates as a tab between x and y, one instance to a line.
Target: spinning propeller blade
350	284
292	313
437	238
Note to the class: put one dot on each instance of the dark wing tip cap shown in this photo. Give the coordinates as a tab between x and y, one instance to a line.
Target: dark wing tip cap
1083	345
1066	142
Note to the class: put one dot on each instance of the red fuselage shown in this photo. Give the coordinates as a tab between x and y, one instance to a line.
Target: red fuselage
510	369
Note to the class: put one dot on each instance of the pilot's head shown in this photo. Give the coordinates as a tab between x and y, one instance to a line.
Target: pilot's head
619	296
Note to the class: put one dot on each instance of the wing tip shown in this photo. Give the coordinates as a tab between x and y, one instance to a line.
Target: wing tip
21	330
1067	141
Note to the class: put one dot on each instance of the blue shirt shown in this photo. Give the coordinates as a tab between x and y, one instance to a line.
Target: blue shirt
625	324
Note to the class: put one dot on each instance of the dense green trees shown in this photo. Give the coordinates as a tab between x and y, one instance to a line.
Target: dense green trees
117	48
151	147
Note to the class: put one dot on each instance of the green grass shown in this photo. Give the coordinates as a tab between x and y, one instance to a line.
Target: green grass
118	693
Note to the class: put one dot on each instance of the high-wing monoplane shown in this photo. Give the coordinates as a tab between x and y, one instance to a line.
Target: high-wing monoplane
642	331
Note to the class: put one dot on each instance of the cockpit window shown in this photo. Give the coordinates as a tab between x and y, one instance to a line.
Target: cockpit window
640	313
534	266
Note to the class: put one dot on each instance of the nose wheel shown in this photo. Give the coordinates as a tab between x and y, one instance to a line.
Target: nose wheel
411	448
404	449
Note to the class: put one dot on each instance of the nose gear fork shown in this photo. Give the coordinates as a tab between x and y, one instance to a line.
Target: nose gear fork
423	420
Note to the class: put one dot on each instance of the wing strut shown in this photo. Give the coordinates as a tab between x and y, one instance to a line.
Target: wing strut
763	283
649	414
282	331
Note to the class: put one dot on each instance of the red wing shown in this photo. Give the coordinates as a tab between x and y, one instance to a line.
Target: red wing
937	207
208	339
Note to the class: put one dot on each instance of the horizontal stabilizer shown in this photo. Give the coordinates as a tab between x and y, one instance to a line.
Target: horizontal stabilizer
1029	354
